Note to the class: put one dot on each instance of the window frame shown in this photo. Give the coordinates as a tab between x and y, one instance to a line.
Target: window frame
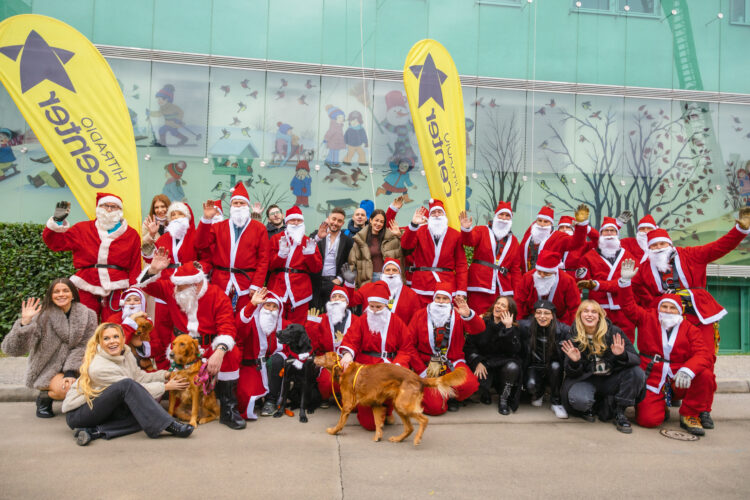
615	11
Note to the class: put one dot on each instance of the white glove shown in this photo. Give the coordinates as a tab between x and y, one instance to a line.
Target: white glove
309	247
682	379
624	217
627	271
283	248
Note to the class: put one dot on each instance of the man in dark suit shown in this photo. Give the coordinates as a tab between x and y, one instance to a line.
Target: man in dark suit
334	247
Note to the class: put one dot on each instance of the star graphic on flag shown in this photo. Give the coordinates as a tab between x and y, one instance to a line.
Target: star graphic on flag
430	81
40	62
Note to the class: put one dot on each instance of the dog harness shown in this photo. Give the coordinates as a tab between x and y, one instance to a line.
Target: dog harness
333	387
204	380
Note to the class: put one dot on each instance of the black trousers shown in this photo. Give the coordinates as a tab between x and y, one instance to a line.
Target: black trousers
539	377
625	386
499	374
322	294
275	378
122	408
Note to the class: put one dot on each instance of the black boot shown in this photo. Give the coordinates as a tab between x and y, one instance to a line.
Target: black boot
485	397
85	435
453	405
227	392
179	429
706	421
588	415
621	421
44	405
502	404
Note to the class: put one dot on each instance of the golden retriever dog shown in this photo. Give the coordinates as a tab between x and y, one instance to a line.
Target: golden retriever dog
194	406
374	385
143	333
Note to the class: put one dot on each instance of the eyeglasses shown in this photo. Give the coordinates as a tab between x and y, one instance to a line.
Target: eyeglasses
274	212
110	206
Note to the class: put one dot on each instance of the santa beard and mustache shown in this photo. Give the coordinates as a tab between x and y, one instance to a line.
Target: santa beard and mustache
239	215
539	234
669	320
393	281
187	299
336	311
178	227
501	227
661	258
268	320
642	240
130	309
295	233
544	285
107	220
378	321
437	226
609	245
440	313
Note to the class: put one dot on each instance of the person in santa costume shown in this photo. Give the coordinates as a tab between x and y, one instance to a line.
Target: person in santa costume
637	246
380	337
571	259
496	266
293	258
262	356
540	236
676	356
237	247
403	302
131	318
203	311
599	271
439	256
548	282
326	332
106	252
439	330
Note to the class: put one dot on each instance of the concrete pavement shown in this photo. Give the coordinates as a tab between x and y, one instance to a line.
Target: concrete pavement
473	453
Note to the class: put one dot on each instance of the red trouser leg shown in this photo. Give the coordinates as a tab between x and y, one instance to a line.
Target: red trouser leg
699	396
296	314
367	419
709	337
469	386
93	302
230	365
324	385
620	319
650	411
161	335
434	404
480	302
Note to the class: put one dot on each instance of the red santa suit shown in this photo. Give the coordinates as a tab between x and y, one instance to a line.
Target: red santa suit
255	347
370	347
403	302
390	215
441	262
632	245
496	266
594	266
211	322
291	265
106	261
240	263
663	353
558	241
432	343
571	259
128	324
564	293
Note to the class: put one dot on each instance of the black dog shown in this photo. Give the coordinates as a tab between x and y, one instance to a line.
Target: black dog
304	390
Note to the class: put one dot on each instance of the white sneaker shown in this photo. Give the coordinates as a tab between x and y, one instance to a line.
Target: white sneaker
559	411
537	402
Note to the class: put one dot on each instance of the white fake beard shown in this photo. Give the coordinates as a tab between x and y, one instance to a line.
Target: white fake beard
187	299
268	321
501	228
129	309
377	322
393	281
540	234
437	226
609	245
544	285
642	239
669	320
178	227
239	215
440	313
296	233
336	310
566	229
660	258
217	218
107	220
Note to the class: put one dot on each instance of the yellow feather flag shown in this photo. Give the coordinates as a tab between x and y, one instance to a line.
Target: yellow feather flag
69	96
433	90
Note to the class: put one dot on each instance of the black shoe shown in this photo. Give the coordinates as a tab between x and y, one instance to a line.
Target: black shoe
179	429
502	404
226	390
268	409
85	435
44	406
485	398
706	421
621	422
588	416
453	405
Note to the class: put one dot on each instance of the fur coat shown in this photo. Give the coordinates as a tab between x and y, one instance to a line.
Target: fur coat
361	260
57	346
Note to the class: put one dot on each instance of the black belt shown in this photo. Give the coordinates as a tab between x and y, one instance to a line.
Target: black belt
203	339
173	266
103	266
259	362
287	270
656	358
433	269
389	355
503	270
237	270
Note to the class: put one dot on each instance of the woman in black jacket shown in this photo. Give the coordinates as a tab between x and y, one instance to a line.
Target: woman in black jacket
601	368
495	355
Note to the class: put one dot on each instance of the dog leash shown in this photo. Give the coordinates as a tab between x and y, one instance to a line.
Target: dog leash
333	386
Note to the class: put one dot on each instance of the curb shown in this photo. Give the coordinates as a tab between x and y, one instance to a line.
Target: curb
732	386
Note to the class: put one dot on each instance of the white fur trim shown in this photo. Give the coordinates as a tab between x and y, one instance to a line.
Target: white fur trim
442	292
674	302
545	217
178	206
377	299
293	217
145	349
504	211
465	230
470	316
58	228
130	322
687	370
546	269
743	231
659	240
227	340
315	319
188	280
229	375
140	284
564	224
392	207
110	199
347	349
207	221
646	224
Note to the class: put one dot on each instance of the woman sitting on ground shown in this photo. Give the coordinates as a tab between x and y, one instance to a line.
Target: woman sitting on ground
602	370
53	332
371	247
495	355
113	397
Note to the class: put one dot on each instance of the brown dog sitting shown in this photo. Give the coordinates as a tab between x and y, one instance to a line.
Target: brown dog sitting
142	334
195	407
373	385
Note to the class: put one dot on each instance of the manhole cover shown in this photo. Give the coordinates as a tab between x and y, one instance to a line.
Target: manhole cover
678	435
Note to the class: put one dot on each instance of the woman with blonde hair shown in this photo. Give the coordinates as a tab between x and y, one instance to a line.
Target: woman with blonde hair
113	397
602	370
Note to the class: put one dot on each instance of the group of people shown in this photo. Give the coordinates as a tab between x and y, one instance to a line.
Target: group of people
514	320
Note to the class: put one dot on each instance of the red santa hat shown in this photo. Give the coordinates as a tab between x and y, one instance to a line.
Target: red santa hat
565	220
217	204
546	213
240	193
378	292
294	213
108	198
189	273
133	291
673	298
610	222
391	260
443	288
647	221
395	98
503	207
178	206
340	290
435	204
658	235
548	261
